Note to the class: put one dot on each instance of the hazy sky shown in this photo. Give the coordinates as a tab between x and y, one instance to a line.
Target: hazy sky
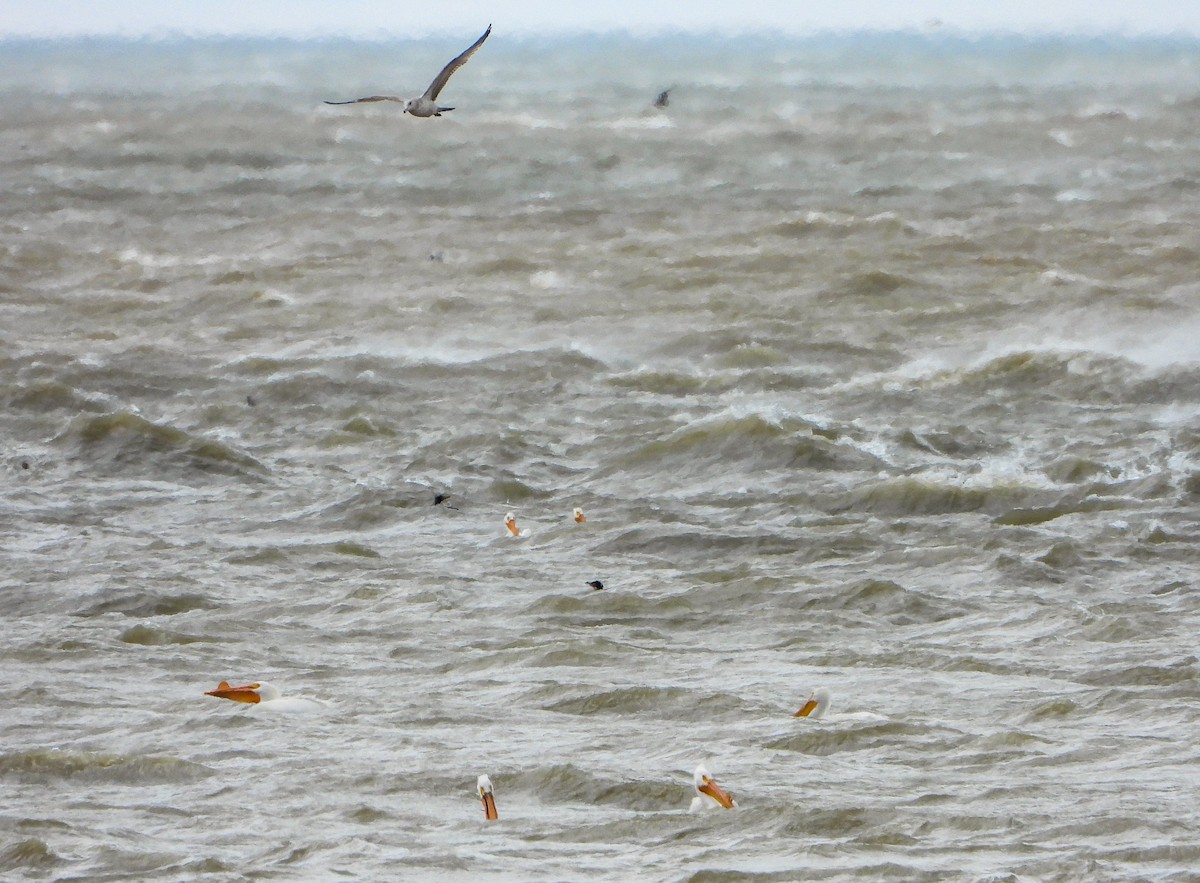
384	18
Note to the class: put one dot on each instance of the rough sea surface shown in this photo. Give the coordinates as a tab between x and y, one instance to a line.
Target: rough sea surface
873	361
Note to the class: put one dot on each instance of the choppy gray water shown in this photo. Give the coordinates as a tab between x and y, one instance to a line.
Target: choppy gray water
874	363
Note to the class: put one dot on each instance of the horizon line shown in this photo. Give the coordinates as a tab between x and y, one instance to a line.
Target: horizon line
384	35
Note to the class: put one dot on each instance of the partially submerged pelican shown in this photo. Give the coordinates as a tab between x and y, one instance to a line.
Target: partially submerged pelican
510	521
580	518
484	786
816	704
266	696
816	707
709	795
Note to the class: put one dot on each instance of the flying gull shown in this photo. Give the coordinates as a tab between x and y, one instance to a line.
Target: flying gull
426	105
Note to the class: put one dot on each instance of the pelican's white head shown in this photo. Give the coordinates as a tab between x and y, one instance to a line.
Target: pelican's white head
816	705
707	785
484	786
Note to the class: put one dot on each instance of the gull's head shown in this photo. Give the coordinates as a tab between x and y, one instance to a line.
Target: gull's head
707	785
580	518
408	102
484	787
251	693
815	705
510	521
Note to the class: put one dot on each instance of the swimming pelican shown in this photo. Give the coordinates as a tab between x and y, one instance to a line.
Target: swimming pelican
816	707
580	518
426	105
484	785
266	696
510	521
816	704
709	795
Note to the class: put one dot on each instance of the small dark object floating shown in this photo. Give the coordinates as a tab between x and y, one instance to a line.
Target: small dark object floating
596	584
438	499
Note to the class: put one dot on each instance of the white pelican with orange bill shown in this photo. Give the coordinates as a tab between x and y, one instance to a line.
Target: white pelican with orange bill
267	697
488	796
709	795
510	521
816	707
580	518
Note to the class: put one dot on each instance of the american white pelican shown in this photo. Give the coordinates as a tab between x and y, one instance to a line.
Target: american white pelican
816	704
580	518
484	785
510	521
266	696
709	795
816	707
426	105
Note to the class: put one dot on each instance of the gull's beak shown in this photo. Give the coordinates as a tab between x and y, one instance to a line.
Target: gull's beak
489	805
807	708
717	793
245	693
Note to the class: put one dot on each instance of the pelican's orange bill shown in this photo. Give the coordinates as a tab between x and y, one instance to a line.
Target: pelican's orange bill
489	806
717	793
806	709
512	526
245	693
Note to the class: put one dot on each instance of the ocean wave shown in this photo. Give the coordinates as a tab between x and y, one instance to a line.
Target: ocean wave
566	783
880	599
673	703
149	636
28	853
1181	671
1079	377
48	396
743	443
48	765
913	495
126	443
145	603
